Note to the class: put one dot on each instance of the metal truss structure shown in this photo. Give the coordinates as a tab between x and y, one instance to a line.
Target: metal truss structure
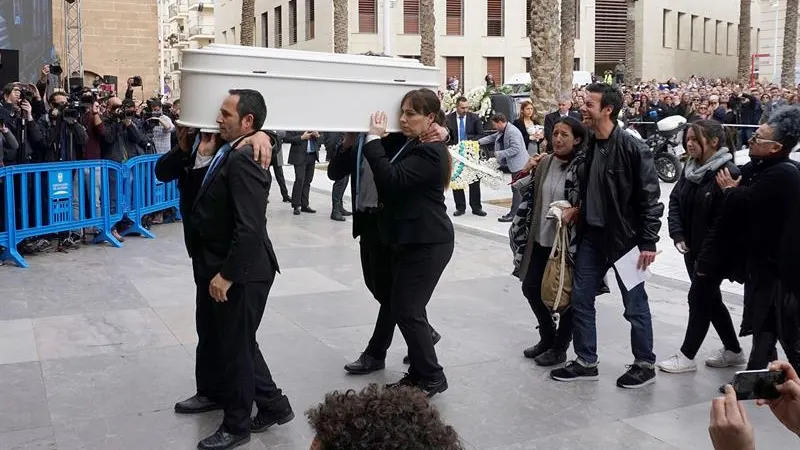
73	38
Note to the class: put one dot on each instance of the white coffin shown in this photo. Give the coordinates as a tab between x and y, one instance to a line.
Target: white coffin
303	90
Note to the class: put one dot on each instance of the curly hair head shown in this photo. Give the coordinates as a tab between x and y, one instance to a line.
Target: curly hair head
786	122
380	419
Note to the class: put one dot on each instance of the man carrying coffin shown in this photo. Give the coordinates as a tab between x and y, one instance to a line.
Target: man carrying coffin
223	201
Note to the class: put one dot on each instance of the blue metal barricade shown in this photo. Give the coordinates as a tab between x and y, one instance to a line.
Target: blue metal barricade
4	218
145	194
43	199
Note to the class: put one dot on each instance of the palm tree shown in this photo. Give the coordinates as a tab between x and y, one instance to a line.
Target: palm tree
247	33
567	45
544	59
630	42
341	29
789	44
743	68
427	33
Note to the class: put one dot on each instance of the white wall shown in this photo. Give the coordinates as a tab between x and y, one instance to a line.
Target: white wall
771	66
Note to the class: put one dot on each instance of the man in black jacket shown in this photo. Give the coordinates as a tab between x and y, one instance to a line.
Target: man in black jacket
564	110
466	126
234	268
620	211
303	155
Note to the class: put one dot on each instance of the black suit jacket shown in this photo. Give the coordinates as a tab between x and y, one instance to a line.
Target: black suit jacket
550	122
299	148
411	191
474	126
178	165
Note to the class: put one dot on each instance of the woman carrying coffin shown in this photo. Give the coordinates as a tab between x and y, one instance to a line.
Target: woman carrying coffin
411	178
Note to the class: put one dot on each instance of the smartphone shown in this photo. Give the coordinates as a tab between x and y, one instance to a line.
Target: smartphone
757	384
2	123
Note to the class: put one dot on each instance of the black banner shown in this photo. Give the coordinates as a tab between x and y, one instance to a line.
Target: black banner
27	26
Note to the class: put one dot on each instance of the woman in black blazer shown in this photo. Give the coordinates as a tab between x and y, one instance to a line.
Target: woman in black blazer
411	179
526	123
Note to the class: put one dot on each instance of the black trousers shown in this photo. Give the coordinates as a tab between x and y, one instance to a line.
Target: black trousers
339	188
303	175
781	324
376	265
474	197
278	170
557	339
230	367
705	309
416	270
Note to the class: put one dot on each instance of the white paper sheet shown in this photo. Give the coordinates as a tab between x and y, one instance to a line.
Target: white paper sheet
628	272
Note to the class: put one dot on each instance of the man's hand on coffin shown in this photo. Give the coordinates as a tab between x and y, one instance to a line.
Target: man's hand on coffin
185	138
315	134
262	147
377	124
349	141
435	133
208	144
306	135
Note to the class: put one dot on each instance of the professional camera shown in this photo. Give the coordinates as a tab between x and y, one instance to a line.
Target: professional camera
55	69
25	94
136	81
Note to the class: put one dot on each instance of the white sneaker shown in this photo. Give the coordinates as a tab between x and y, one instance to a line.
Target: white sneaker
726	358
677	363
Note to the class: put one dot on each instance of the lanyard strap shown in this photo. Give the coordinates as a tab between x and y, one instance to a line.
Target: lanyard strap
400	152
215	162
359	157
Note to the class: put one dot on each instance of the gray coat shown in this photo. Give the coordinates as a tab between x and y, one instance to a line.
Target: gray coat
509	147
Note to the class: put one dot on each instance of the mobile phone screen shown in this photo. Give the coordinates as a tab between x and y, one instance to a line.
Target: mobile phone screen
757	384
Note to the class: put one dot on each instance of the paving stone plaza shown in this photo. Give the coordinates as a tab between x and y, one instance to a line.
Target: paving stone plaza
97	345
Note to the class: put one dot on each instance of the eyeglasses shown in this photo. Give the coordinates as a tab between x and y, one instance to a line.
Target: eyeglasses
758	140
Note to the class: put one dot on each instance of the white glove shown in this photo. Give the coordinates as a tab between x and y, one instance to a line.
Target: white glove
682	248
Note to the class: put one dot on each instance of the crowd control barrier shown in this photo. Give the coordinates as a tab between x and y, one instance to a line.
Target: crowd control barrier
44	199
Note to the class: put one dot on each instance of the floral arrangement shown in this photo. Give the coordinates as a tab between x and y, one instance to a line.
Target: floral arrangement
449	101
469	168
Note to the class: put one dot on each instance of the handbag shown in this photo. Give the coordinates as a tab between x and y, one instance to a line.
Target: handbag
557	279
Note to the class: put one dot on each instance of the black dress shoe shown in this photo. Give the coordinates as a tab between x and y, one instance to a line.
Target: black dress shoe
430	388
265	419
365	364
436	338
196	404
222	440
506	219
550	358
296	211
345	212
459	212
536	350
308	210
287	200
479	212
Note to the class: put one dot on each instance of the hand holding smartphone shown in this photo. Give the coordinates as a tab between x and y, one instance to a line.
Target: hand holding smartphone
757	384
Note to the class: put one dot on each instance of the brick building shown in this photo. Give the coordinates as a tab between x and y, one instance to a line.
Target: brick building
120	38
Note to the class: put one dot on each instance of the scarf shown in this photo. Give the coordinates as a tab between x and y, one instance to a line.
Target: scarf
695	173
367	190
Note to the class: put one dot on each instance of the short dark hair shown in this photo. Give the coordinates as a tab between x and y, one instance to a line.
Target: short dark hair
378	418
611	96
251	102
423	101
55	94
499	118
10	87
786	123
461	99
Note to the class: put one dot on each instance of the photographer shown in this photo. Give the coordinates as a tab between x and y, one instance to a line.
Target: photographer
157	127
730	429
64	137
17	114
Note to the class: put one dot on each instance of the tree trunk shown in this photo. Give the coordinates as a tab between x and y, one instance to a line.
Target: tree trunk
789	45
630	43
427	33
745	50
544	48
247	33
567	45
341	29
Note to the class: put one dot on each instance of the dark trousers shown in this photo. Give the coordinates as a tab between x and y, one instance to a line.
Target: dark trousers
339	188
705	309
474	197
376	265
416	269
303	174
516	197
278	170
230	367
557	339
781	324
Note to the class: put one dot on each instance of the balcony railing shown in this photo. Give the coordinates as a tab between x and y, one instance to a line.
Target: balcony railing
196	5
201	32
178	9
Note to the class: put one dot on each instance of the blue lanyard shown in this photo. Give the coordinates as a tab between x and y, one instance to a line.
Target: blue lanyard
359	156
400	152
215	162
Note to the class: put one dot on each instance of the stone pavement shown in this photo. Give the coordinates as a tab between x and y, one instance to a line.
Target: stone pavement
97	345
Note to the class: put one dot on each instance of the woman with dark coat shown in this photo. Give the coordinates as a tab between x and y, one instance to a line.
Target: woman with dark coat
759	210
527	124
695	204
411	179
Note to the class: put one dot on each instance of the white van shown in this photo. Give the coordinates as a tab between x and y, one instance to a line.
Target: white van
519	81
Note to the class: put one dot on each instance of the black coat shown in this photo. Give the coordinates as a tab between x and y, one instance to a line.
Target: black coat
694	208
411	190
299	150
474	126
177	165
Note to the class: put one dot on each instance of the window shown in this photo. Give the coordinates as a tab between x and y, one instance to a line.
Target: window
665	41
411	16
455	18
225	37
528	20
454	67
527	65
693	34
417	57
730	38
311	31
233	35
681	20
494	18
265	30
577	19
278	27
367	16
707	43
292	22
496	67
576	64
718	37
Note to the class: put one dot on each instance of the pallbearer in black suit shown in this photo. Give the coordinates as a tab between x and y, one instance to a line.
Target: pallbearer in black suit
234	267
466	126
411	179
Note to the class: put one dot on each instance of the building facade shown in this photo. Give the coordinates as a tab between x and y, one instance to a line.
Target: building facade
187	24
473	37
120	38
771	20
